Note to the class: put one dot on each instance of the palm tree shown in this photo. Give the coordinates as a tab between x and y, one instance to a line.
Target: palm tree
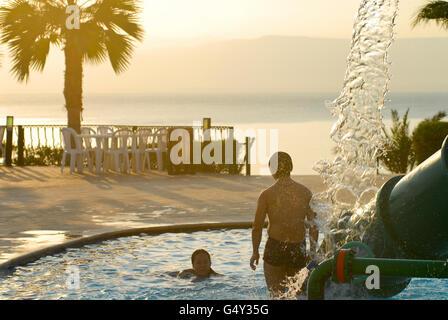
434	10
107	29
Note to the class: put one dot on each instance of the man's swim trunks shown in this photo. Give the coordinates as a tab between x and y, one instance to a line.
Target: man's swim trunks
285	254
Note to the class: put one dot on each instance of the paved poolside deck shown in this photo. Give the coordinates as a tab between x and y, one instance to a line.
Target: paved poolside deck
41	207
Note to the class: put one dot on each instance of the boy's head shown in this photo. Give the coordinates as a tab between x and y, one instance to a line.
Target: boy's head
280	165
201	261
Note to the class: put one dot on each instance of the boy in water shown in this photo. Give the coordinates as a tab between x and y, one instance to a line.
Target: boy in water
201	261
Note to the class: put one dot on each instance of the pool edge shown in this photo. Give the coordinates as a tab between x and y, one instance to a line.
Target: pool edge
32	256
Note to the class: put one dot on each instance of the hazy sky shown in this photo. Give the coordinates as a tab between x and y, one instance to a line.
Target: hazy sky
229	19
179	22
224	19
255	18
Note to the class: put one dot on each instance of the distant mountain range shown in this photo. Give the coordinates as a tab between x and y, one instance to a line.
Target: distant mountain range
267	64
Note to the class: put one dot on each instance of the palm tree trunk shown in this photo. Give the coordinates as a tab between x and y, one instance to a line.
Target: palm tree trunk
73	83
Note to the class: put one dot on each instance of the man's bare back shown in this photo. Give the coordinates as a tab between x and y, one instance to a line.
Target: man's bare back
287	207
286	204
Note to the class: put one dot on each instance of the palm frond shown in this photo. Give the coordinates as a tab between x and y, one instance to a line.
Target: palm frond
118	15
117	31
436	11
119	48
92	41
438	116
21	27
109	29
28	28
40	53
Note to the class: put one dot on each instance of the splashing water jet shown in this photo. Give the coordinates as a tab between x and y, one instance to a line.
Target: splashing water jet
405	227
358	130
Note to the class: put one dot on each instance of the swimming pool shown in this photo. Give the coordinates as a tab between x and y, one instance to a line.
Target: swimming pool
143	267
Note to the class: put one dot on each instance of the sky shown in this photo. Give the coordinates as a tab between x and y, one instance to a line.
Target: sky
228	19
254	18
188	23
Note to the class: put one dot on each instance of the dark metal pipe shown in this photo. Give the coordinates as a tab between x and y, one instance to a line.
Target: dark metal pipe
345	269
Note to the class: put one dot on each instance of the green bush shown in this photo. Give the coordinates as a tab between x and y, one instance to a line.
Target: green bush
48	156
428	137
41	156
398	155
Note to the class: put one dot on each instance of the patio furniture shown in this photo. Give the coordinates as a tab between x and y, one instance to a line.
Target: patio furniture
119	149
101	143
105	142
75	151
105	130
88	135
88	131
141	155
159	145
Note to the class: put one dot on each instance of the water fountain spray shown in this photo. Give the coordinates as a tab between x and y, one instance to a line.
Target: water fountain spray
406	223
358	130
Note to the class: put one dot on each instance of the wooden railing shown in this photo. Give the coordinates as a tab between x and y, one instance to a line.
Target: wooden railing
36	136
51	135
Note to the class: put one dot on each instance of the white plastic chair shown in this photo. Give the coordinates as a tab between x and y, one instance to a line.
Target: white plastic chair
2	133
95	151
121	141
159	145
76	152
88	141
142	137
105	130
105	142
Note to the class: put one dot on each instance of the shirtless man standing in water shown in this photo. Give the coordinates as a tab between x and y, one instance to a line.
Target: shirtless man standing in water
286	203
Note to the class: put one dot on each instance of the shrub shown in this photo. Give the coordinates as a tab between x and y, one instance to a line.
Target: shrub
398	154
428	137
48	156
41	156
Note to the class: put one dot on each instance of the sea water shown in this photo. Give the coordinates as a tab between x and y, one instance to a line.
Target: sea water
302	120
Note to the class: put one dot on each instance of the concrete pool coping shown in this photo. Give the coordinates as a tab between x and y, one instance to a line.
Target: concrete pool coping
40	207
97	238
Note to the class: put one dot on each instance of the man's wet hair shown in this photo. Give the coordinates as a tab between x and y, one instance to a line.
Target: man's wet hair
199	251
281	164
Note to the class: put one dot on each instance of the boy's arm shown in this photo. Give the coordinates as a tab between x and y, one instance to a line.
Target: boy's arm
185	273
182	274
257	228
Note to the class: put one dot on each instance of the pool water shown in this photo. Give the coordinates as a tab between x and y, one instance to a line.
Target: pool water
144	267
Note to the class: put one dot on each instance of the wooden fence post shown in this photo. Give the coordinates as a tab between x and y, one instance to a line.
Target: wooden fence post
247	157
20	146
9	134
206	135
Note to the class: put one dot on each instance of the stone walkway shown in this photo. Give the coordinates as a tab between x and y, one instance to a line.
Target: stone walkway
39	206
